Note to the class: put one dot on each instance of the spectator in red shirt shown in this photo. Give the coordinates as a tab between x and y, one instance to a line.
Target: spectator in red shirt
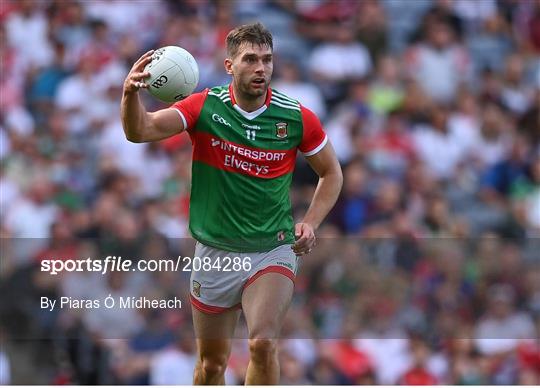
418	374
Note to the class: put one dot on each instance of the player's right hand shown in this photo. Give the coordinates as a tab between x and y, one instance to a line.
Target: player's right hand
135	78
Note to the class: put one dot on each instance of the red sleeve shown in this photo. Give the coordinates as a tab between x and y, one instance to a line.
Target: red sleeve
313	138
190	108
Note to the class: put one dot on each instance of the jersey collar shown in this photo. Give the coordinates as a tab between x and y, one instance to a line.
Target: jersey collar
255	113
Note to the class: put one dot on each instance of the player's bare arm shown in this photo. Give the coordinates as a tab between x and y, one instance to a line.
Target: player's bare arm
327	167
139	125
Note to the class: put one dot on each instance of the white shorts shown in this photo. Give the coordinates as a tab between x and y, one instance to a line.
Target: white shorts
217	284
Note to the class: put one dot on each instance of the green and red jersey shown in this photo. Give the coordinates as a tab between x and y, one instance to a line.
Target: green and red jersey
242	167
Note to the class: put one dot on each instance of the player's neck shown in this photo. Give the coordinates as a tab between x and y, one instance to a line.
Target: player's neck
248	103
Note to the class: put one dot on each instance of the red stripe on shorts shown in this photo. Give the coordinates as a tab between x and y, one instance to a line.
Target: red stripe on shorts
206	308
271	269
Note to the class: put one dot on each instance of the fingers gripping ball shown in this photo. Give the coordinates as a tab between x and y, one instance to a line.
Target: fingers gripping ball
174	74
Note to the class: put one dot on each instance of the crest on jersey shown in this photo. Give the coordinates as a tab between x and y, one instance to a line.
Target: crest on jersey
196	289
281	130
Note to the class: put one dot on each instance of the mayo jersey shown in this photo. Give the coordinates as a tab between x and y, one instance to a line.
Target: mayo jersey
242	167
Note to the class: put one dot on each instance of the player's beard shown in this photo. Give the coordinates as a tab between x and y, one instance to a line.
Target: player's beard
253	92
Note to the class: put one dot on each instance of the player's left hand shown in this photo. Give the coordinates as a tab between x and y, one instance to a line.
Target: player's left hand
305	238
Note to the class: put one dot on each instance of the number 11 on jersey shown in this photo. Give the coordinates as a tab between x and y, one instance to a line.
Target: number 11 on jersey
250	134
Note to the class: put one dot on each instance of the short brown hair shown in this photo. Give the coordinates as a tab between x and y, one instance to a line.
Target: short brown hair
254	33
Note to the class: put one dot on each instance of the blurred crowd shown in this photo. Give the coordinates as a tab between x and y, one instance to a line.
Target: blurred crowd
427	270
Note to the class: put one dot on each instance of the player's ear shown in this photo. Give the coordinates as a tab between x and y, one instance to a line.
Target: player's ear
228	65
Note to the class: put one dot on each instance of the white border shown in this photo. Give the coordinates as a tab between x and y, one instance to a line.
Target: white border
318	148
182	117
250	115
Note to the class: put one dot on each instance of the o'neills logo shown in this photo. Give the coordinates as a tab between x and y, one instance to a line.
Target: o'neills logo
281	130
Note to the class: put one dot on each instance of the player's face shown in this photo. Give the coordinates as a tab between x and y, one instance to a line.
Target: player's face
251	69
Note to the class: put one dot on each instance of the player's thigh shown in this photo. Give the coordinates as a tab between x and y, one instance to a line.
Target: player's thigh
213	333
265	303
215	326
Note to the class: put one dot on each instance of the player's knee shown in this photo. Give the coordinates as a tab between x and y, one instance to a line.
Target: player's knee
262	349
213	366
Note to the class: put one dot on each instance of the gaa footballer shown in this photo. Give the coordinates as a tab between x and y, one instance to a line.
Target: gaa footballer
245	137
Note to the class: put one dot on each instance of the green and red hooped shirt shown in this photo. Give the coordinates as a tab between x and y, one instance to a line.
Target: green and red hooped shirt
242	167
